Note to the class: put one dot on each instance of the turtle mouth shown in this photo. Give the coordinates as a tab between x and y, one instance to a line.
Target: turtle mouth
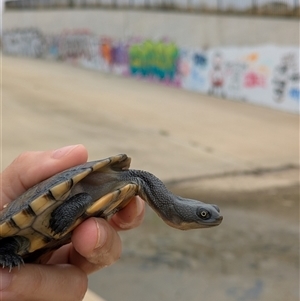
196	225
216	222
219	220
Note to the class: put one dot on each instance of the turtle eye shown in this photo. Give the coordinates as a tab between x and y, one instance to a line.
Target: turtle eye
204	214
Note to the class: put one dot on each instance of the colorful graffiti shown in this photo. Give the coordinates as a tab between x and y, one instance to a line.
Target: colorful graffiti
265	75
154	59
253	79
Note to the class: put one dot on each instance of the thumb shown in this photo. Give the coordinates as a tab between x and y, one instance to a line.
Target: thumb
31	168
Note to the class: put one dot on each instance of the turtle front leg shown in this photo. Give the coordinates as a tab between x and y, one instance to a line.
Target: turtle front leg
9	249
65	215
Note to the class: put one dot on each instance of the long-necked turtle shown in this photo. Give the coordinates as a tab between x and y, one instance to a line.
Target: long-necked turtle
42	219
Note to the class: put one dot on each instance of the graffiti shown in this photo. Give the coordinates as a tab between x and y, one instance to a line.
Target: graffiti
184	68
217	75
295	93
26	42
234	74
192	68
253	79
252	57
106	50
120	60
154	59
200	60
285	73
52	45
267	75
77	44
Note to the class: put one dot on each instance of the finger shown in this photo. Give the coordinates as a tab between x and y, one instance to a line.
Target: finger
35	282
130	216
33	167
95	244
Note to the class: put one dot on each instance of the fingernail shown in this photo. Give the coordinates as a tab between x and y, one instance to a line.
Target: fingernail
59	153
5	279
102	235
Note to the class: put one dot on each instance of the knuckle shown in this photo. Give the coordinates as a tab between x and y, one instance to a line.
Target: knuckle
21	164
109	252
23	157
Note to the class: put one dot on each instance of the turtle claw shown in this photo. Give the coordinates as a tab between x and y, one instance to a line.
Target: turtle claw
11	260
10	248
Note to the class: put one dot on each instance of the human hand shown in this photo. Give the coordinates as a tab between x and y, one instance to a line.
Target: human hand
64	275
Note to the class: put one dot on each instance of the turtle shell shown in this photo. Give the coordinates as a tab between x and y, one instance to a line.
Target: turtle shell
29	215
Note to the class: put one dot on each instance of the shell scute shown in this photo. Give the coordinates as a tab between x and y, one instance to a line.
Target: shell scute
23	219
8	229
40	204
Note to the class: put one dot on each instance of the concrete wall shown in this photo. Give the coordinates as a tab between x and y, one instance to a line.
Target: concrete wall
188	30
248	59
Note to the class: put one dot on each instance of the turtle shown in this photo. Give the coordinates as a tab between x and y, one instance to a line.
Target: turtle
42	219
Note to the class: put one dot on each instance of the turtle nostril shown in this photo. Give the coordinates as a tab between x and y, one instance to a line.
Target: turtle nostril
216	207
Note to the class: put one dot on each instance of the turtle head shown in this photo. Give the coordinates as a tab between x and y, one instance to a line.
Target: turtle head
176	211
191	214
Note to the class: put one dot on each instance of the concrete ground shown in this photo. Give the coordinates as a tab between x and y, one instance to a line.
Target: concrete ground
242	157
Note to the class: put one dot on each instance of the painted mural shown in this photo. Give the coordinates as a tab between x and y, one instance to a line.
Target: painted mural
264	75
156	60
